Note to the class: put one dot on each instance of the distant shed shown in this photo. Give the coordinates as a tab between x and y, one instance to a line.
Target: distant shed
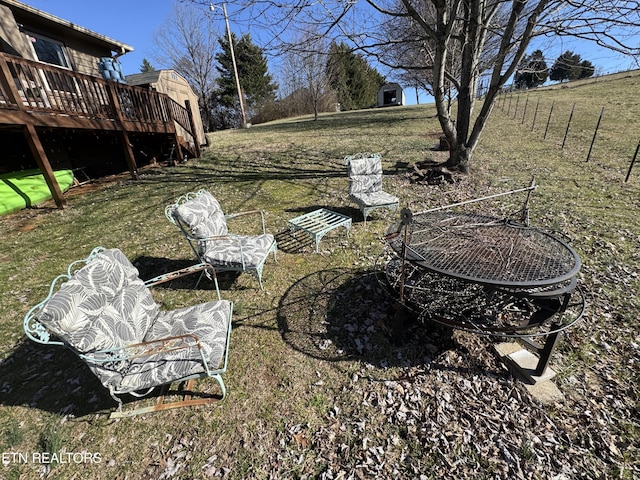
177	87
390	94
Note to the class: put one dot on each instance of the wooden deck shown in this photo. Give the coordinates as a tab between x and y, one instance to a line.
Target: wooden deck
35	95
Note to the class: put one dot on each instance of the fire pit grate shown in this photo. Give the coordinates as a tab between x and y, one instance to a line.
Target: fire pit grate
487	250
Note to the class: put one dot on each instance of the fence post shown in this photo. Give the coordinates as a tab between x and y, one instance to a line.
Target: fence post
524	113
509	107
515	111
566	133
548	120
633	160
593	140
535	114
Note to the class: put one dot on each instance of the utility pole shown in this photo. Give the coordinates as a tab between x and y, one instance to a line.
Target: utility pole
233	60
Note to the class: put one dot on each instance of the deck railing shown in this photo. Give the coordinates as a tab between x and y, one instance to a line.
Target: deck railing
35	95
39	89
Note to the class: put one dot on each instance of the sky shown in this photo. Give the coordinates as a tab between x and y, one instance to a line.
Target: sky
135	22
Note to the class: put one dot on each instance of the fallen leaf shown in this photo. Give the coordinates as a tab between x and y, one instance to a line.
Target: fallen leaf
301	440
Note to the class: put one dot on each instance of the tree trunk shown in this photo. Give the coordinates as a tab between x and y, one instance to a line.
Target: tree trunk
459	158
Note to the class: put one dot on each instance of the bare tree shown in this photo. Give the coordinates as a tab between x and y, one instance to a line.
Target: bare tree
187	42
411	54
305	69
485	38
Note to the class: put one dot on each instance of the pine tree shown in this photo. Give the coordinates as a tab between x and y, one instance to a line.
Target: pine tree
256	83
569	66
355	82
532	71
146	66
587	69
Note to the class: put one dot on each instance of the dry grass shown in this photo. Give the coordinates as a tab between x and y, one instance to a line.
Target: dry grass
314	379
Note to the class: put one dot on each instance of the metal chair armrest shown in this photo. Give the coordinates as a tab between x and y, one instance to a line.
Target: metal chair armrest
249	212
239	214
207	239
167	277
147	349
200	267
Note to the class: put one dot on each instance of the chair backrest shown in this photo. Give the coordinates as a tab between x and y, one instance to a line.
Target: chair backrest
102	305
199	213
365	173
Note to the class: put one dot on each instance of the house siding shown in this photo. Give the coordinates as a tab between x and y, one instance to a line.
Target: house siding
82	48
86	59
13	40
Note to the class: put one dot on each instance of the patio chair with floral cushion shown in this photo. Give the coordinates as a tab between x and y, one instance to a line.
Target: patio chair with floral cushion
203	223
105	313
365	183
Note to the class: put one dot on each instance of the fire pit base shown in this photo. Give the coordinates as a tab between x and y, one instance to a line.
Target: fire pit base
523	315
522	363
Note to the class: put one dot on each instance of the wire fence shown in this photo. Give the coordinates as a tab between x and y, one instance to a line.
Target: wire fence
588	132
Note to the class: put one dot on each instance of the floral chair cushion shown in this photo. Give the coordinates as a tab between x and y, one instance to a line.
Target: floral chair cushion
231	252
209	322
104	305
365	175
202	215
375	199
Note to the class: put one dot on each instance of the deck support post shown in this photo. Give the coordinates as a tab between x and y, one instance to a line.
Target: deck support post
124	136
196	141
177	153
37	150
128	153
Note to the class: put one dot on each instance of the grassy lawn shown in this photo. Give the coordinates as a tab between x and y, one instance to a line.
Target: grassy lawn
316	387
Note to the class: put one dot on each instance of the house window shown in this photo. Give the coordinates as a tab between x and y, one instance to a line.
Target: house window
49	51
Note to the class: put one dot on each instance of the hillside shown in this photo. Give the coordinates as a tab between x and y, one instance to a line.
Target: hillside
317	388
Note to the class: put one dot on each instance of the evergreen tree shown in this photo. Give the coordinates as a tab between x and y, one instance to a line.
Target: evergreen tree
532	71
337	74
569	66
563	66
146	66
587	69
256	83
355	82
